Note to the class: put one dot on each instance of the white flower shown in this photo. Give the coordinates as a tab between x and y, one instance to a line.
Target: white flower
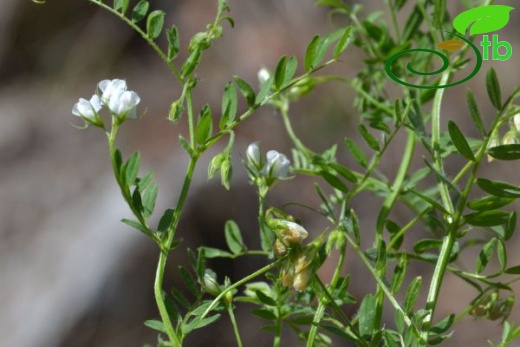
263	75
516	121
110	88
87	108
253	155
124	103
277	165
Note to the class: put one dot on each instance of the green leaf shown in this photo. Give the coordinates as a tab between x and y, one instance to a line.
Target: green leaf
145	181
485	254
500	189
191	63
399	272
246	90
493	89
429	200
199	323
369	138
426	244
118	160
266	300
501	254
515	270
155	23
510	226
411	294
343	42
234	238
505	152
210	252
140	10
226	173
443	325
474	112
215	164
265	314
311	52
204	125
290	69
121	6
180	298
189	282
264	91
489	202
132	168
459	141
487	218
186	146
334	181
485	19
155	325
344	172
279	72
356	152
149	198
172	35
166	220
135	224
229	106
367	316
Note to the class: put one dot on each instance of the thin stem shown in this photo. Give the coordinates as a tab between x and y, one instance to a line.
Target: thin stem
165	317
379	281
239	283
235	326
150	41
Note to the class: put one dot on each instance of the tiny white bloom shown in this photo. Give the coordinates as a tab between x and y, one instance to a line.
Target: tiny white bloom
277	164
263	75
87	108
253	155
111	88
124	102
516	121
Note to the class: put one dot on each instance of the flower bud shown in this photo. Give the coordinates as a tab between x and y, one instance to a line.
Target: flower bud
263	75
293	233
516	122
253	155
124	104
211	284
277	165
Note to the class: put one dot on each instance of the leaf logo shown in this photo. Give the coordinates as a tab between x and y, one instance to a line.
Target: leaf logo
483	19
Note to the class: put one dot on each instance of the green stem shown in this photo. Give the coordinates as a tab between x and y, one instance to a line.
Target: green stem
165	317
320	311
379	281
124	191
150	41
239	283
235	326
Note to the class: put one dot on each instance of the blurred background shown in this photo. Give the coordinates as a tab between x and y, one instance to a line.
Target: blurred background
70	273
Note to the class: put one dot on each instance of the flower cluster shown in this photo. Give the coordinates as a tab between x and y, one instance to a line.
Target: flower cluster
276	166
300	265
114	95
